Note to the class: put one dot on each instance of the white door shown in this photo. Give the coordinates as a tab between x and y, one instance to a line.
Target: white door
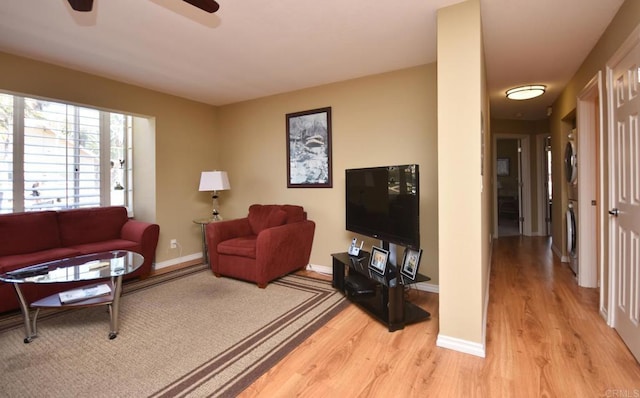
624	157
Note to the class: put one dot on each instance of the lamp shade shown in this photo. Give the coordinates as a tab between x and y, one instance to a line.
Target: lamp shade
214	181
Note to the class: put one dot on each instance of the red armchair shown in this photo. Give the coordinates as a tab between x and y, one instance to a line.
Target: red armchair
272	241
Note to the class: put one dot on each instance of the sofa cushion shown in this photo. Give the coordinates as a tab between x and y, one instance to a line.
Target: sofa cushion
28	232
244	246
265	216
81	226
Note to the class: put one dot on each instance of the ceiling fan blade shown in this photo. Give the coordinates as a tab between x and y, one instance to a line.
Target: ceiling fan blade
81	5
209	6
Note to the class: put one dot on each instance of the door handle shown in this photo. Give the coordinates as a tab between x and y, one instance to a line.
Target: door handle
614	212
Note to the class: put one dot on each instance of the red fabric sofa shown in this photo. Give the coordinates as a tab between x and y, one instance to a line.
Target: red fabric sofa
35	237
272	241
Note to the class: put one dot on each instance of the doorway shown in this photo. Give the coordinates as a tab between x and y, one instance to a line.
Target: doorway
548	186
509	186
512	189
545	184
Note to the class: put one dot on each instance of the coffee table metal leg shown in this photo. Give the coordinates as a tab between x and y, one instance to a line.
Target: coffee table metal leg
114	308
24	307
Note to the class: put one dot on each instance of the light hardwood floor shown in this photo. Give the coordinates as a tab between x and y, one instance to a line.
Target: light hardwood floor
545	338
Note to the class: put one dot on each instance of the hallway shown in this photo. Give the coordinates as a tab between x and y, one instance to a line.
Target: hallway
545	335
545	338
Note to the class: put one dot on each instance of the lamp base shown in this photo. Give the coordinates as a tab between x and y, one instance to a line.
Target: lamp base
216	214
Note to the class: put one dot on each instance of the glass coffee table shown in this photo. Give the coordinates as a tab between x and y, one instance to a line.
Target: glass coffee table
105	270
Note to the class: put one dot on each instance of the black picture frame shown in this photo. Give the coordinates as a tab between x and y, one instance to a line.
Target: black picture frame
503	167
411	263
309	149
378	260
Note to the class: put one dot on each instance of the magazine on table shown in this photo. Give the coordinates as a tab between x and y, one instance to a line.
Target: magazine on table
71	296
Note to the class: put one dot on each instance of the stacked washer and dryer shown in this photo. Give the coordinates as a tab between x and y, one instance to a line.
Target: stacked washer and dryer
571	172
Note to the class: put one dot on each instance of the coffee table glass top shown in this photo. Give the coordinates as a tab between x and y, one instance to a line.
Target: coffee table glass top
81	268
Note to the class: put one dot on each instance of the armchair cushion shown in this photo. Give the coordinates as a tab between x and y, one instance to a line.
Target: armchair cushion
244	246
265	216
294	213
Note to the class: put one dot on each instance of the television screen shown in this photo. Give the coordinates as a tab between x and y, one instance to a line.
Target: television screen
384	203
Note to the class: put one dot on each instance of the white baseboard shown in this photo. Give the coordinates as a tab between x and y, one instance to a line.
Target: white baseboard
487	290
605	315
464	346
539	233
178	260
557	252
423	286
427	287
321	269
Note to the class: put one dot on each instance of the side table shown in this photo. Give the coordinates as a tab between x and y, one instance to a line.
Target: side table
203	225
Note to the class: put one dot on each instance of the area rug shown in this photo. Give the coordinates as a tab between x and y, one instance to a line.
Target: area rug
188	334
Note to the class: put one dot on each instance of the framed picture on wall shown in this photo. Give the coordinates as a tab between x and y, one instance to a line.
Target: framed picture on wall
309	149
502	167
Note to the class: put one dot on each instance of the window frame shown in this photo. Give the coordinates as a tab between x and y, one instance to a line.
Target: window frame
16	177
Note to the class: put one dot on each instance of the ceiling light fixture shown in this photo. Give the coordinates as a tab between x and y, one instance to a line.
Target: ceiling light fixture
525	92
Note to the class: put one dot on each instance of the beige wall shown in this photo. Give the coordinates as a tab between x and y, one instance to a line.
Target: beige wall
624	22
184	138
377	120
464	192
627	18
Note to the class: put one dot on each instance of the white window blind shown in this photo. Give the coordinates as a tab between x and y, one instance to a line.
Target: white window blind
6	151
61	156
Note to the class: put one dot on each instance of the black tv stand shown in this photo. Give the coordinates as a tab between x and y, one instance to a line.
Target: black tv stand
382	296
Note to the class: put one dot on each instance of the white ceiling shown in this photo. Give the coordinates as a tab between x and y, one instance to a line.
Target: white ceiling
254	48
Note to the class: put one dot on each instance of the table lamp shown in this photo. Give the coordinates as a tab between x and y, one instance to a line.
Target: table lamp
214	181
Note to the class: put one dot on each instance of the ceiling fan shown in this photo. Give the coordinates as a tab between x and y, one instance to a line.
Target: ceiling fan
209	6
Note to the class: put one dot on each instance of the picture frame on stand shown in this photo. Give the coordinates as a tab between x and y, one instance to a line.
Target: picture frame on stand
378	260
411	263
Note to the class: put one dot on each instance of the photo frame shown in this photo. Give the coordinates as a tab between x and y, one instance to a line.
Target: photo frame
309	149
502	167
411	262
378	260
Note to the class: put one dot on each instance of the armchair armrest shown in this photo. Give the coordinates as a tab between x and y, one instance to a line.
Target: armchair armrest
283	249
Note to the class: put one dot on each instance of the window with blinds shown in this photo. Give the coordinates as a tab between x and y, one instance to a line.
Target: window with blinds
61	156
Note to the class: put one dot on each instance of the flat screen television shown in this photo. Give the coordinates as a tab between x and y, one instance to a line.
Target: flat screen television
384	203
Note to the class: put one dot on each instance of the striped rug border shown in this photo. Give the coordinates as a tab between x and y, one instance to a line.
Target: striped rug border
323	294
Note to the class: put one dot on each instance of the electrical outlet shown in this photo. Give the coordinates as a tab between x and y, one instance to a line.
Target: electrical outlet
173	243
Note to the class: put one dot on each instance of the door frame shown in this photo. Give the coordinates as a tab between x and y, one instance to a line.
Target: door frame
589	125
525	172
544	213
